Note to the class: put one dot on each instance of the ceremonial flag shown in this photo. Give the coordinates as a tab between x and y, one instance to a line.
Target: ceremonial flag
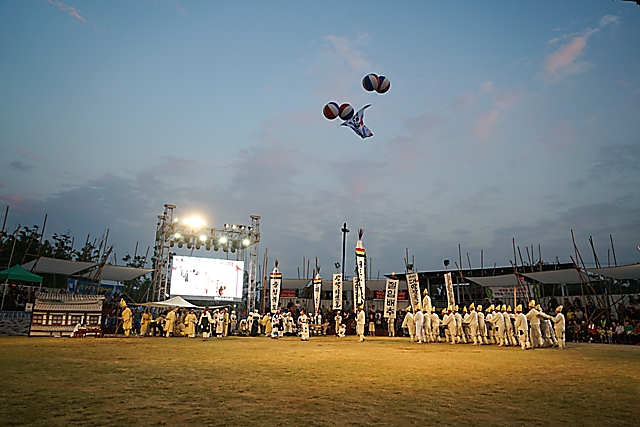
317	288
413	287
337	291
451	299
361	272
390	298
275	282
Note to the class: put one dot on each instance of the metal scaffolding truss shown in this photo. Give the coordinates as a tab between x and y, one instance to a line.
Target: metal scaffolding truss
232	238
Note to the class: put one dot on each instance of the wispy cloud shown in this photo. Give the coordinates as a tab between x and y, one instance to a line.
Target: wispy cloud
348	51
565	60
19	165
485	125
69	10
28	154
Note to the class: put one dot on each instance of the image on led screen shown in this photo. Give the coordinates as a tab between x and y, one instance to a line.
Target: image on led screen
206	278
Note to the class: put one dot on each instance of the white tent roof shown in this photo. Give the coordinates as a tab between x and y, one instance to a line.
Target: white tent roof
171	302
68	268
624	272
503	281
58	266
556	276
121	273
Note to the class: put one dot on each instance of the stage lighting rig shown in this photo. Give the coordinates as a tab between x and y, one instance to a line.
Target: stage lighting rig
192	232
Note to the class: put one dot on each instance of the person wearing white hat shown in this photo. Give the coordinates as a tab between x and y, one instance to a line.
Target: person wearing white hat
472	320
482	328
233	319
435	325
449	322
490	327
522	328
497	321
559	326
418	318
534	321
545	327
410	325
459	333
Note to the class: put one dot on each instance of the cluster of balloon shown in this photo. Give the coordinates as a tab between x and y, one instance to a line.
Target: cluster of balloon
352	119
372	82
332	111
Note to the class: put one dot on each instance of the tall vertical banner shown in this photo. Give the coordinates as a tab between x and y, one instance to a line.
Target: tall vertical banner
361	272
390	298
275	283
451	298
413	286
317	288
337	291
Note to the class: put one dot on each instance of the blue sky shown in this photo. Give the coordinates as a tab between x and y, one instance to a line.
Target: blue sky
504	120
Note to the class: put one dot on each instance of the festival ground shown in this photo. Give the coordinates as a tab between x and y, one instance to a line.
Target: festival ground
326	381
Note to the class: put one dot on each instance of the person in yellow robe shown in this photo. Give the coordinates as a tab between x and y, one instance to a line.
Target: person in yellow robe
266	323
190	321
145	322
127	319
170	323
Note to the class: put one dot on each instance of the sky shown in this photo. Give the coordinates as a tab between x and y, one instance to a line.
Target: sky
505	120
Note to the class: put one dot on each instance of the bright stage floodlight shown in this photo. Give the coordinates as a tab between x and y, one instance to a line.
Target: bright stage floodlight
203	238
177	236
246	242
223	240
233	226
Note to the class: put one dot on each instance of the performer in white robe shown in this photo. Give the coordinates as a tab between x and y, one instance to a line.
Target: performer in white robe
410	325
275	325
559	326
459	333
490	328
426	311
338	320
391	326
522	328
449	322
419	319
534	322
482	328
497	322
508	322
342	331
303	321
220	324
360	322
472	320
545	327
234	322
435	325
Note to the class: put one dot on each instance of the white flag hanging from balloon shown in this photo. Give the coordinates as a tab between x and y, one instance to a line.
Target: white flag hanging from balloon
275	283
337	291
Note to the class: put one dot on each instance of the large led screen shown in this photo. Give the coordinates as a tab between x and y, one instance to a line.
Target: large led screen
206	278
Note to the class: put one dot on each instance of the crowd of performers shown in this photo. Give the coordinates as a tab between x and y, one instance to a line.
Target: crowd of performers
499	325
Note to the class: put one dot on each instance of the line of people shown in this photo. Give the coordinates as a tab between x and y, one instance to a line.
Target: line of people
497	325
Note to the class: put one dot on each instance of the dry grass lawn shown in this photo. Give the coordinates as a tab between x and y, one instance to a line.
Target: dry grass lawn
324	382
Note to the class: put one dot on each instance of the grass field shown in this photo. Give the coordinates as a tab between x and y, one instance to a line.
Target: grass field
327	381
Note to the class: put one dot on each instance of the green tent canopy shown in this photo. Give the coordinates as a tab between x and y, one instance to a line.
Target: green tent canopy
19	274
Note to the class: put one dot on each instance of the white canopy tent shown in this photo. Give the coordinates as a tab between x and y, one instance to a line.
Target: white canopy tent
624	272
176	301
568	276
87	269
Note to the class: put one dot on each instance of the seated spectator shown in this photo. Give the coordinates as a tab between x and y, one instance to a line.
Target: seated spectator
619	333
628	333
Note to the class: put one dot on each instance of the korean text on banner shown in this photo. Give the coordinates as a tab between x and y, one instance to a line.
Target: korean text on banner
451	299
337	291
390	298
413	287
275	282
